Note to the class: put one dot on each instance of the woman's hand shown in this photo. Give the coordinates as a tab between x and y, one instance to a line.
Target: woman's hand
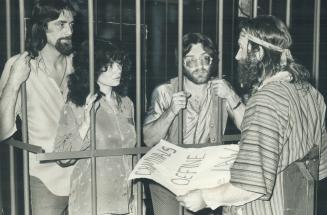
90	102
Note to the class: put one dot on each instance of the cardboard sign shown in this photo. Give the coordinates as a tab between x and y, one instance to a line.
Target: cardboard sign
184	169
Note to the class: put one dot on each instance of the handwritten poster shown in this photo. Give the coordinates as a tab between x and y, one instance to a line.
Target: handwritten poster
184	169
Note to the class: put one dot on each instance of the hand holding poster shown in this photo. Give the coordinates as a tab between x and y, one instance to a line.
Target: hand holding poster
184	169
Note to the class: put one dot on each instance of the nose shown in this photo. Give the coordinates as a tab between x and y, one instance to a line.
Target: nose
69	30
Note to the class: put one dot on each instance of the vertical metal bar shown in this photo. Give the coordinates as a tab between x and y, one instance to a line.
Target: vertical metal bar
254	8
92	126
120	20
166	39
96	17
180	66
180	75
13	203
202	16
220	68
24	112
288	13
270	7
138	98
316	42
234	15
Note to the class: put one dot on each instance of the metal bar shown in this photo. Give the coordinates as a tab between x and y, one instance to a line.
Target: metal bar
12	165
138	98
166	39
220	69
24	113
21	145
180	66
87	154
270	7
288	13
255	8
92	124
202	16
180	76
233	41
53	156
96	17
120	20
316	42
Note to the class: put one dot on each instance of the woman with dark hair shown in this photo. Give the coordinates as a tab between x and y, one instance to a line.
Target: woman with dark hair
114	129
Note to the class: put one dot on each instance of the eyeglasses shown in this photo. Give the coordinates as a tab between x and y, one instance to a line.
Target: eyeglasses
191	62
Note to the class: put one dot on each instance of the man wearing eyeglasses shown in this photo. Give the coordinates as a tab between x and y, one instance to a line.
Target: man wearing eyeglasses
197	101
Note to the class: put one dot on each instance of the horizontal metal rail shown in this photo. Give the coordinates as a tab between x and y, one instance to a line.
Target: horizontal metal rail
55	156
21	145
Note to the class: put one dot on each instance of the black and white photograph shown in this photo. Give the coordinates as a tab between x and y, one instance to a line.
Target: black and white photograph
163	107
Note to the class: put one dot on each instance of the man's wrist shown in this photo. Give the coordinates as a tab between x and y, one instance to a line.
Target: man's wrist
234	101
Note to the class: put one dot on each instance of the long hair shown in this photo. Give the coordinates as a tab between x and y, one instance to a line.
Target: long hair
274	31
43	12
209	46
105	54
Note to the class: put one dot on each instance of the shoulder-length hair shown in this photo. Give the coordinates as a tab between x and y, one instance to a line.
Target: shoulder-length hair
105	54
274	31
43	12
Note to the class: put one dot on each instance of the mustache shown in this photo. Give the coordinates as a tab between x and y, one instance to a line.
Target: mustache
66	38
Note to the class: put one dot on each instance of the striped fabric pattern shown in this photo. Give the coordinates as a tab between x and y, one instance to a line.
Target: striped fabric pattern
282	122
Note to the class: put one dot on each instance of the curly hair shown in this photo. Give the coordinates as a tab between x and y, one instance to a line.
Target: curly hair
274	31
43	12
105	54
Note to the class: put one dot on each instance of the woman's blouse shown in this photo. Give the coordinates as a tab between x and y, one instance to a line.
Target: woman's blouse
114	129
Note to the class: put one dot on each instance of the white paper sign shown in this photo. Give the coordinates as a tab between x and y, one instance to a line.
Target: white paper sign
184	169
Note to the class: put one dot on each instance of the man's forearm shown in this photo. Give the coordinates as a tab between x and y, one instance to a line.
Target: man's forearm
158	129
236	109
8	100
227	195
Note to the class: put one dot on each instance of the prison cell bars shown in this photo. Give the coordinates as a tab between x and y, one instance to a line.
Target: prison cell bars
12	162
180	76
92	126
138	97
220	17
96	153
288	13
24	112
254	8
316	42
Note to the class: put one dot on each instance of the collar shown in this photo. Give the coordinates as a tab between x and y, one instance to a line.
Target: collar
280	76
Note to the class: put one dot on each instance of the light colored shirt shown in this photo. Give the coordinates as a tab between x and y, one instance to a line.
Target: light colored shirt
114	130
282	123
198	122
45	100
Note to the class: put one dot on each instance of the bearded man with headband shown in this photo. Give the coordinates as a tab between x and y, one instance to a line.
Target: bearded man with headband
284	120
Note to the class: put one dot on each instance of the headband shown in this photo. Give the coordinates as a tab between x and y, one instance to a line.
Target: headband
286	53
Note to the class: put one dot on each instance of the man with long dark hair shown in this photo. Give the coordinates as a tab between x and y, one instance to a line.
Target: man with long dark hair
198	102
284	121
44	68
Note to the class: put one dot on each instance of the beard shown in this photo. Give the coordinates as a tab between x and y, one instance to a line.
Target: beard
64	45
198	76
249	73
